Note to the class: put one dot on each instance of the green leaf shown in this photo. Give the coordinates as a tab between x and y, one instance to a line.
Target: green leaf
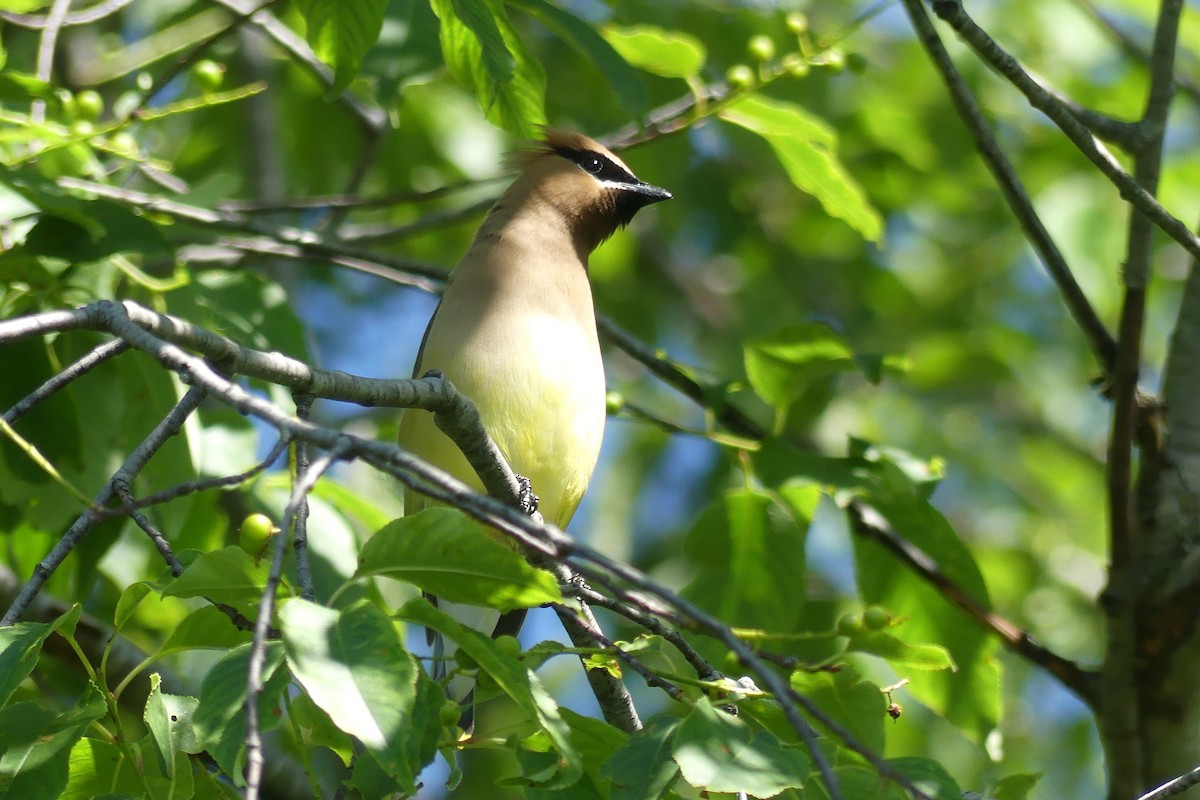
353	666
443	552
228	575
970	697
220	719
168	717
513	678
782	366
34	740
747	551
341	32
718	752
804	145
622	78
901	654
98	769
206	628
643	769
1015	787
113	229
131	598
484	53
855	704
21	644
671	54
929	776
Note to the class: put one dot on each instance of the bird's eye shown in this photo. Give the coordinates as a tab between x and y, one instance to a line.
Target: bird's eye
593	164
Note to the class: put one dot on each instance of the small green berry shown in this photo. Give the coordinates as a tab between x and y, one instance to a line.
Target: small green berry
740	76
614	402
850	624
126	144
761	48
255	533
835	60
82	128
508	645
88	105
450	713
876	618
208	74
797	23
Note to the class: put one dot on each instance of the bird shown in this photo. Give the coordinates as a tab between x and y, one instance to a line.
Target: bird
515	331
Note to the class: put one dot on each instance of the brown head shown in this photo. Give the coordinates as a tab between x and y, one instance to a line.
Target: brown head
580	182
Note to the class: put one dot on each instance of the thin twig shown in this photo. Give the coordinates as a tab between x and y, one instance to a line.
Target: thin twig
1081	309
84	523
83	17
952	12
1174	786
870	525
304	403
266	609
71	372
45	54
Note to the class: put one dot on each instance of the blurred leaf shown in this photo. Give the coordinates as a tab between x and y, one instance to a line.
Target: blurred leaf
513	678
901	654
1015	787
113	229
929	776
444	552
21	644
484	53
341	32
354	667
805	147
718	752
622	79
17	88
671	54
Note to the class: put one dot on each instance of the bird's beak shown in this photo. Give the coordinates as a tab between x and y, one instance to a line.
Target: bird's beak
650	194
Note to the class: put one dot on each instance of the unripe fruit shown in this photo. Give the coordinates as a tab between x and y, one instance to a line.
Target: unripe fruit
876	618
255	533
761	48
740	76
850	624
125	143
835	60
208	74
88	105
508	645
82	128
450	713
797	23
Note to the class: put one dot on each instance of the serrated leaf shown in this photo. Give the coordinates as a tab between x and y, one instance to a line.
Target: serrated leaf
671	54
513	678
643	769
484	53
805	145
443	552
228	575
718	752
354	667
902	654
220	719
31	738
341	32
855	704
168	717
623	79
747	551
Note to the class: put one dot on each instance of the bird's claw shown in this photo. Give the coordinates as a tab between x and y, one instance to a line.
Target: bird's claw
526	499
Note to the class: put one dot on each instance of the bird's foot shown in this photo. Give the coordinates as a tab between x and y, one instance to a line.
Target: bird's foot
526	499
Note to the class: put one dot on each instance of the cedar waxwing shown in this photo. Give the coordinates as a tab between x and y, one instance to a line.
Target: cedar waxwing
516	332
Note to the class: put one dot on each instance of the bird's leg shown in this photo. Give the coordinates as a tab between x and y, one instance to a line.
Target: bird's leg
526	499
